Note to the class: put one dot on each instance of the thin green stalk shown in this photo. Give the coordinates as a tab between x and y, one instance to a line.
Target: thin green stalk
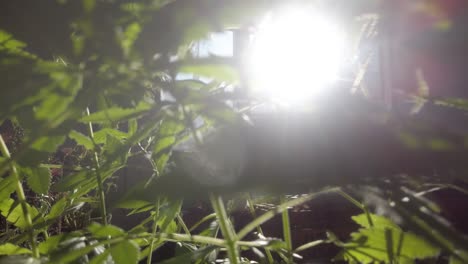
279	209
21	198
97	168
357	204
287	231
259	228
182	223
155	229
310	245
226	228
204	219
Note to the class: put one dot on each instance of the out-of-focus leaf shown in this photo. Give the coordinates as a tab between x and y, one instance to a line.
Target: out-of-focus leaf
125	252
18	259
459	103
115	114
10	249
50	244
14	213
100	231
48	143
38	179
129	36
81	139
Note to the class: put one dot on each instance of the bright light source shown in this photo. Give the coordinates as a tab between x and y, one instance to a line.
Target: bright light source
295	54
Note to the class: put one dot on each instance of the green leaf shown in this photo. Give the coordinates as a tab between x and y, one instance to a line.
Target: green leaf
48	143
115	114
385	242
100	231
10	249
129	36
88	5
7	187
14	213
168	214
81	139
50	244
38	179
100	136
377	220
125	252
57	209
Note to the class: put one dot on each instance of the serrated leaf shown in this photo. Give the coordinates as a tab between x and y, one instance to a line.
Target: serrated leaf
38	179
10	249
115	114
377	220
81	139
125	252
385	242
100	136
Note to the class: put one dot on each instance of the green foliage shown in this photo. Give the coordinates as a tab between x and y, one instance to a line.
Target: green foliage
384	241
10	249
90	100
124	252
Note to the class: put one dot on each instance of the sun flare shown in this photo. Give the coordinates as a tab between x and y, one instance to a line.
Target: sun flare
294	54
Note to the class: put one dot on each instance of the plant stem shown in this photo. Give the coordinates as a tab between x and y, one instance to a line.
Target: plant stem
155	229
102	198
357	204
21	198
280	208
204	219
259	228
287	231
182	223
226	228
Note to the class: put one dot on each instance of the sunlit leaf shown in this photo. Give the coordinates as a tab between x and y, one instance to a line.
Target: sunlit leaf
385	242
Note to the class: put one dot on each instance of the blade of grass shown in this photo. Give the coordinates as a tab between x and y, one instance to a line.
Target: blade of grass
287	230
